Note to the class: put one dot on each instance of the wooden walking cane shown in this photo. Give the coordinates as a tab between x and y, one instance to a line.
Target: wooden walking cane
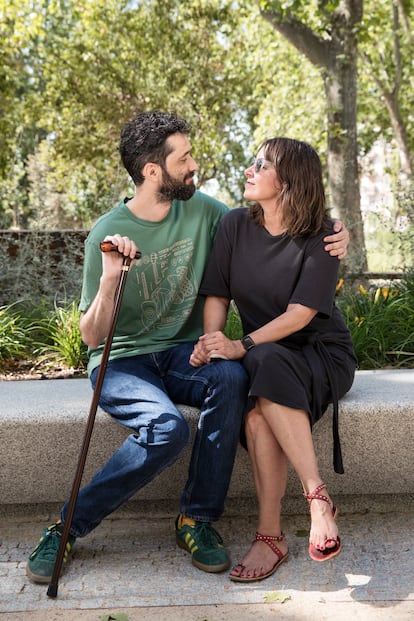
53	585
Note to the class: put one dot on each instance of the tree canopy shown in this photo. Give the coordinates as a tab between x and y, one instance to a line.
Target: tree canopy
87	67
337	73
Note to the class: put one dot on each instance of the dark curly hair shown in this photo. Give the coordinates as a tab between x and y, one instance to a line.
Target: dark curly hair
144	139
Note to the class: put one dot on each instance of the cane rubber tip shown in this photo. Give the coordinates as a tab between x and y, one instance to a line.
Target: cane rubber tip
52	590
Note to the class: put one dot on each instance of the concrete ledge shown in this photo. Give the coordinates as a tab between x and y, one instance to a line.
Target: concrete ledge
42	424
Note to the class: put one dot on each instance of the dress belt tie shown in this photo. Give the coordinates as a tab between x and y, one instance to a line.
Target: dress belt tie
318	356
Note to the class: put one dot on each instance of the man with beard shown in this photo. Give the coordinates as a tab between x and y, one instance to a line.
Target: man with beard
160	319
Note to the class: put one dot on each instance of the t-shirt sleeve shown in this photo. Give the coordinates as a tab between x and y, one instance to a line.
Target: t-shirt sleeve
92	269
316	284
216	279
217	211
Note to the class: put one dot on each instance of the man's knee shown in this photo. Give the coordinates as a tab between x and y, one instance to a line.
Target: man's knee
180	435
168	431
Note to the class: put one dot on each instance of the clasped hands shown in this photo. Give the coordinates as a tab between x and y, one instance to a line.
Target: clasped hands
215	345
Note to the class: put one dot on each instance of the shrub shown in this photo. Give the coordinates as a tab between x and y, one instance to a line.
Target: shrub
381	321
14	340
61	338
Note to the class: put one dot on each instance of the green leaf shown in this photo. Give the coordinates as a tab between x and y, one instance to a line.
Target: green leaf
276	596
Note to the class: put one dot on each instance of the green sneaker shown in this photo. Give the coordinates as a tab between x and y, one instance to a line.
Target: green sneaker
204	544
42	560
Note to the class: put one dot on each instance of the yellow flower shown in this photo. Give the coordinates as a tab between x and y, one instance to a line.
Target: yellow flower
377	295
340	284
362	290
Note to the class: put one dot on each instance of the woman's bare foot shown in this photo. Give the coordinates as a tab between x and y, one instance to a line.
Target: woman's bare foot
262	559
323	535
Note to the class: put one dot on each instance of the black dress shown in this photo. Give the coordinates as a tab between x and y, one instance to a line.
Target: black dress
263	273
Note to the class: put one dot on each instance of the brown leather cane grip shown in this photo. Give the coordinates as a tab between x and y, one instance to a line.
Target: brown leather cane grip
108	246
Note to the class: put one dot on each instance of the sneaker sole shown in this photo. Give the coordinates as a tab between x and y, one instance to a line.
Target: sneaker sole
36	577
211	569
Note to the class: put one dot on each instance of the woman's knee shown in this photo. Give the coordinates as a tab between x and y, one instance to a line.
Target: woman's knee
254	423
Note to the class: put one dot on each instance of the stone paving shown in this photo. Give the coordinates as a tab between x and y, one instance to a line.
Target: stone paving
131	562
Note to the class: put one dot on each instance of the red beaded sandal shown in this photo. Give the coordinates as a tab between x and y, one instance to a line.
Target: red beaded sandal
315	553
280	558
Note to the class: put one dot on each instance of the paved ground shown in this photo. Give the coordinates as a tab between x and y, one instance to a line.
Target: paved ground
131	565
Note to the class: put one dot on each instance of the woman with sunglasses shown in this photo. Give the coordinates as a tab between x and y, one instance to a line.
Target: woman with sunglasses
270	259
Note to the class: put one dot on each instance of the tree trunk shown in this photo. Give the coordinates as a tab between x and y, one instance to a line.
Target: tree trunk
400	134
340	81
337	60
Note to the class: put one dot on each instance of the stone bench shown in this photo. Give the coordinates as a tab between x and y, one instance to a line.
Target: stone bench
42	424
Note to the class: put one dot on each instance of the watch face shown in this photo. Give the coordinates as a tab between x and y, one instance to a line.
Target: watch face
247	342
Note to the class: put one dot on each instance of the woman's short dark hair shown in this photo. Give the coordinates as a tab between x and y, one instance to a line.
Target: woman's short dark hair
302	196
144	138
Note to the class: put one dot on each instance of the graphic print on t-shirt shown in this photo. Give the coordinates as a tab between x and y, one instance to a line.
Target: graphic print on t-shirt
167	285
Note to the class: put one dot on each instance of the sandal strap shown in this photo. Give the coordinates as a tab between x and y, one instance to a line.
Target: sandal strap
269	540
315	495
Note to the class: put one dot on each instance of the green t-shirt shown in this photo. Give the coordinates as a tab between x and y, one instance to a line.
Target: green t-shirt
160	305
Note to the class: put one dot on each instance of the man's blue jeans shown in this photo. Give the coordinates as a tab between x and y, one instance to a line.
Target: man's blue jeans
140	392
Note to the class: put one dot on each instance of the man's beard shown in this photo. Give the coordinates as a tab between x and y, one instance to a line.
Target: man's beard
174	189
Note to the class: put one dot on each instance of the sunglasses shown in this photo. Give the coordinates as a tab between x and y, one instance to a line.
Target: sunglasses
260	164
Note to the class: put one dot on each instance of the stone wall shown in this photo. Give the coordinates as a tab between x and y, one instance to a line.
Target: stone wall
46	266
41	266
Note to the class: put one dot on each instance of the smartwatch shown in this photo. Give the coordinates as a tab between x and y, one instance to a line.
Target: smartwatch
247	342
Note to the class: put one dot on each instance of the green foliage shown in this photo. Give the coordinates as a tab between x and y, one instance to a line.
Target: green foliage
61	341
318	15
14	341
390	234
72	73
92	66
233	329
381	321
386	79
404	232
289	90
49	338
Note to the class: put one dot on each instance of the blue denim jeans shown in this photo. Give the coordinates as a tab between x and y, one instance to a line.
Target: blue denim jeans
140	392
